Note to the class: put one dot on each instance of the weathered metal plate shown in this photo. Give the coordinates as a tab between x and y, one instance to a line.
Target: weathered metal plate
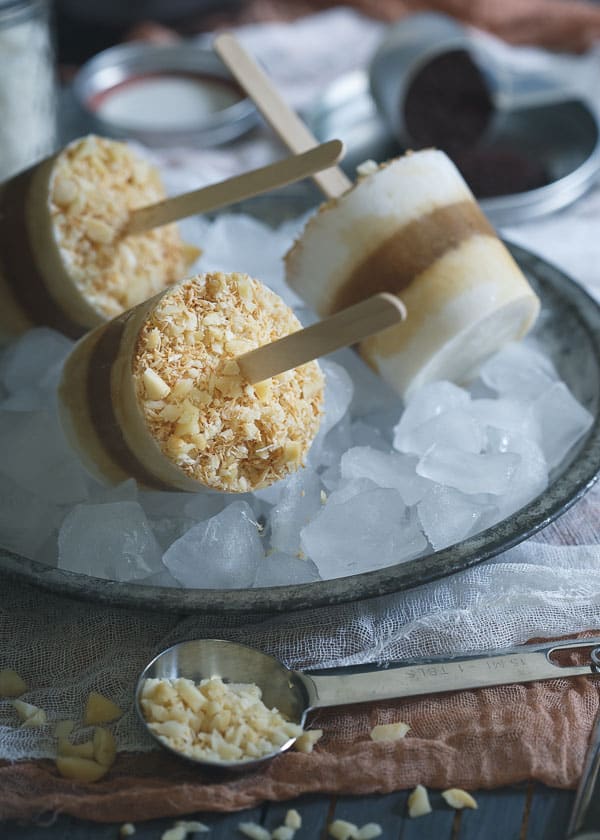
568	330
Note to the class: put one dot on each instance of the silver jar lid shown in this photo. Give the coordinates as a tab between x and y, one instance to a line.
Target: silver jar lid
163	96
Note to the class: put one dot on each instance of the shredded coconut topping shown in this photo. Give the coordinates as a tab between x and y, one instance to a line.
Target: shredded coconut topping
207	419
95	184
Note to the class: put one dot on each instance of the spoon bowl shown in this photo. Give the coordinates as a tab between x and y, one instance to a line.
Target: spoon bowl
200	659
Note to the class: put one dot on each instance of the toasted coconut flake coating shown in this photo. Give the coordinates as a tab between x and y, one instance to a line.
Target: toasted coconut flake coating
207	419
95	185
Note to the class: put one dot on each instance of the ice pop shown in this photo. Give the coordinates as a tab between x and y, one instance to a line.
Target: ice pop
156	393
413	227
61	263
409	227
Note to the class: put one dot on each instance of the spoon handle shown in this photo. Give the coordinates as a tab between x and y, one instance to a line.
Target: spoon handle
518	665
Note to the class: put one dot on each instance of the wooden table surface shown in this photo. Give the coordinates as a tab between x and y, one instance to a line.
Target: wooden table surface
526	812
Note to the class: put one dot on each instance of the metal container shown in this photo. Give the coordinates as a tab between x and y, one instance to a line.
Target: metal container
563	137
125	65
487	80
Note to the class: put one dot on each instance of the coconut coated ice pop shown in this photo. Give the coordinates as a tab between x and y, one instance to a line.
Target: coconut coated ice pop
62	263
156	394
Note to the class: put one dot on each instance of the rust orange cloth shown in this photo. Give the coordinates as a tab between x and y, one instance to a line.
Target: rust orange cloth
470	739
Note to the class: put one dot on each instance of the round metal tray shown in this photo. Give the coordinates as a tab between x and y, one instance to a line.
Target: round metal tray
564	138
569	331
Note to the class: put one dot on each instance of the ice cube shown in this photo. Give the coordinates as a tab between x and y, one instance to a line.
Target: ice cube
455	428
508	414
35	454
327	448
27	361
467	472
347	489
326	451
271	495
126	491
111	541
278	569
300	501
368	531
531	476
562	422
163	578
26	520
363	434
385	469
371	393
222	553
170	528
338	395
428	402
519	371
448	516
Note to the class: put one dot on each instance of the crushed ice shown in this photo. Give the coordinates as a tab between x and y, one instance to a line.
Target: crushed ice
383	484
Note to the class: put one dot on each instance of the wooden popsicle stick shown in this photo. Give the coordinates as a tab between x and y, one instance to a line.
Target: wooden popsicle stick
346	327
286	123
235	189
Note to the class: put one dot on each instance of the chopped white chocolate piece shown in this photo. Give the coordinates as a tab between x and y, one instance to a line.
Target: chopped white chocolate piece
389	731
343	830
178	832
155	387
458	798
29	714
369	831
367	167
293	819
38	718
105	748
127	830
192	826
418	802
214	721
99	709
11	684
283	832
84	750
254	831
80	769
306	742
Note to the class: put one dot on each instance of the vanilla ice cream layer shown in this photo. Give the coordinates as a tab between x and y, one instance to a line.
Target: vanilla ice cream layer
461	309
391	224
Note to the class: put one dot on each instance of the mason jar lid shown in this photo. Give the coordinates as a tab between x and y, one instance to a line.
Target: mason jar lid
163	96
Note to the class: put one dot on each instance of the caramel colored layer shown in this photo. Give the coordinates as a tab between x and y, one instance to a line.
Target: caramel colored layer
411	250
102	413
18	263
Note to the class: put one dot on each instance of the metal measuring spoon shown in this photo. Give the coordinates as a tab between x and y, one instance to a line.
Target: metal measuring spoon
295	693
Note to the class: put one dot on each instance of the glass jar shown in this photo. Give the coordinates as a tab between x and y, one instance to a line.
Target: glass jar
27	85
